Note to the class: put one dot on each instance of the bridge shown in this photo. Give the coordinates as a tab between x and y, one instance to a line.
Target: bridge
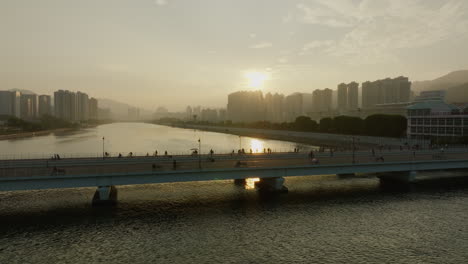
270	168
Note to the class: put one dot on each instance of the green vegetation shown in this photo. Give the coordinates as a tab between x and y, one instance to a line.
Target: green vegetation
46	122
374	125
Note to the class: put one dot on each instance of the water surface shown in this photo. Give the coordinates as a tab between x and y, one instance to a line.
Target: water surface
323	219
139	138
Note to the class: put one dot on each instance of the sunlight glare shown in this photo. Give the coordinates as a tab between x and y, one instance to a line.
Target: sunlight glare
250	183
256	145
256	79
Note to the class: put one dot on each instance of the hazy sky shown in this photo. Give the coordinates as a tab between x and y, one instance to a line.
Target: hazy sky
177	52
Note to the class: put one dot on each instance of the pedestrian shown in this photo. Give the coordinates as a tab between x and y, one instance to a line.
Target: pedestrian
165	153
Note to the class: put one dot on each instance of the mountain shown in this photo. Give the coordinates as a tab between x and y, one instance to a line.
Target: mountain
23	91
119	110
458	94
445	82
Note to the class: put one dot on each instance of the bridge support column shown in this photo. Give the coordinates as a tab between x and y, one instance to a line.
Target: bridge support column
239	182
272	185
105	195
392	178
346	175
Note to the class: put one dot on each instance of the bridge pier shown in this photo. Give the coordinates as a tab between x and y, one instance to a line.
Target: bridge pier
105	195
397	178
346	175
274	185
239	182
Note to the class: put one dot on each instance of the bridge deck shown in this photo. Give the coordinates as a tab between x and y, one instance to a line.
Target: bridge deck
94	166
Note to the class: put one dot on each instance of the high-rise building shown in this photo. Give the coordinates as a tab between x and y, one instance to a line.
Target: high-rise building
10	103
65	105
28	106
322	100
293	105
82	106
210	115
307	100
246	106
93	108
222	115
353	96
45	105
404	91
274	104
387	91
188	113
342	99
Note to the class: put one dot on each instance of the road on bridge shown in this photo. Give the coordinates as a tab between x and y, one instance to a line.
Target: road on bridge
27	168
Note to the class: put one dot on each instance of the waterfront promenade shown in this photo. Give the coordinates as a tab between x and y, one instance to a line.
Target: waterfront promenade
314	138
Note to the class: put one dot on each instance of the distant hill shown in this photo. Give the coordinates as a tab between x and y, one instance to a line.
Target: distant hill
458	94
119	110
23	91
445	82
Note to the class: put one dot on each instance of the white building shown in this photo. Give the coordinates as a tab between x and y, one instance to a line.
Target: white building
437	121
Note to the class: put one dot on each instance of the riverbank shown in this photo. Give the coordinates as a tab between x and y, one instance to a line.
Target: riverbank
311	138
35	133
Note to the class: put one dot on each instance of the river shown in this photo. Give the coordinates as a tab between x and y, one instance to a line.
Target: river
324	219
138	138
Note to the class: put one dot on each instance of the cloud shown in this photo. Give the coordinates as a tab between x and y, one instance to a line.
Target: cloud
324	13
262	45
283	60
160	2
317	44
376	30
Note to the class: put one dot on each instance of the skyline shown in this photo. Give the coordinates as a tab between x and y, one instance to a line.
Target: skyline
145	52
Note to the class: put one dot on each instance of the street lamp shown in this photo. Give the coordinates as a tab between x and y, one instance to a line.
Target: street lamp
199	153
103	153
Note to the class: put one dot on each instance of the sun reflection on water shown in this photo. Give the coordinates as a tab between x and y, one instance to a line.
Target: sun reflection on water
256	145
250	183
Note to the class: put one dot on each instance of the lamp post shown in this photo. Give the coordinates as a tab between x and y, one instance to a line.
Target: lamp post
199	153
103	153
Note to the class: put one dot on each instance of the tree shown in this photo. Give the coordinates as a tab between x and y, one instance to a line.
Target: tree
348	125
304	123
385	125
326	125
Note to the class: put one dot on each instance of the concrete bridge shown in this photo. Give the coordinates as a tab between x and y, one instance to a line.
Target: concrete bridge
271	169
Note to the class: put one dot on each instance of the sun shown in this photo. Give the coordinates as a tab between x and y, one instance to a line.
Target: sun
256	79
